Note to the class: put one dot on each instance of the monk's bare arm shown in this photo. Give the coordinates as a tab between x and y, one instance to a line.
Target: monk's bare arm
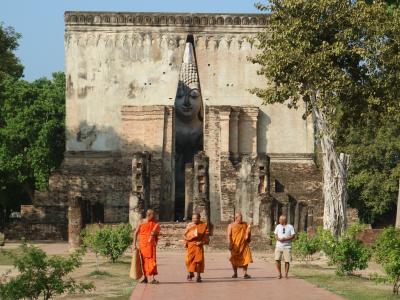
248	233
190	225
206	239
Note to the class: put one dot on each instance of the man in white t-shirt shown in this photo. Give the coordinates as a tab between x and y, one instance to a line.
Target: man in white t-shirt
284	234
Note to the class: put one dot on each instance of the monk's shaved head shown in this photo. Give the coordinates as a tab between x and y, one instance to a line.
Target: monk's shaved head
238	217
150	214
196	217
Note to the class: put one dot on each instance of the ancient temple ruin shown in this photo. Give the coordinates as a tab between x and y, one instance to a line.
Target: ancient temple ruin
159	116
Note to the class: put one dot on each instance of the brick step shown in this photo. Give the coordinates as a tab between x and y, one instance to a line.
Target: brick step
172	236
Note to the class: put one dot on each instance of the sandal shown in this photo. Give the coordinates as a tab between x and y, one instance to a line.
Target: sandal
154	281
234	276
198	279
144	280
247	276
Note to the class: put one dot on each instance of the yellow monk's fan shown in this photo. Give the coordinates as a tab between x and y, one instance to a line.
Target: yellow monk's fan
153	234
136	271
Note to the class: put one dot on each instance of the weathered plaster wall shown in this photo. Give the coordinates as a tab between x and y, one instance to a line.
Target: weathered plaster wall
133	59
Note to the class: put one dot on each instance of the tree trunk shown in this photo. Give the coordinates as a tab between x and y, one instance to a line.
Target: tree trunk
335	178
398	209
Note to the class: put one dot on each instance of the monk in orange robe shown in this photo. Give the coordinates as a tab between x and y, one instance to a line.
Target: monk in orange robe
148	232
239	235
196	236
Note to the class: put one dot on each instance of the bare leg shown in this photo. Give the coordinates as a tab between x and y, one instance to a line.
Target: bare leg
144	279
278	268
234	272
246	276
154	280
190	276
198	273
287	265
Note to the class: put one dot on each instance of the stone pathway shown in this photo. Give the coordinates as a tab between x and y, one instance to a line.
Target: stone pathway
218	284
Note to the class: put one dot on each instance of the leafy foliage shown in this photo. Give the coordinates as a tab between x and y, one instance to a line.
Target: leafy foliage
31	126
341	57
346	252
32	137
375	168
338	49
9	63
387	253
326	241
93	240
41	276
304	247
109	241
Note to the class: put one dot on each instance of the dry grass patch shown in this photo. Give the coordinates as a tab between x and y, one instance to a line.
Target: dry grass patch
111	281
349	287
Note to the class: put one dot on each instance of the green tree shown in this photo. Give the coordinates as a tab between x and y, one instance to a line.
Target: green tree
375	168
9	62
41	276
32	139
304	247
346	252
387	253
93	239
337	60
111	241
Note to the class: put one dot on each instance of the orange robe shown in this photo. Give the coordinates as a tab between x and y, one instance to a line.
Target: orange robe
147	246
240	253
195	253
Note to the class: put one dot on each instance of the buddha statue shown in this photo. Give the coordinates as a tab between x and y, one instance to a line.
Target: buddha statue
188	124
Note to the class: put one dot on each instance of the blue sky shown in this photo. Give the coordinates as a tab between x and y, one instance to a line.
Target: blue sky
41	23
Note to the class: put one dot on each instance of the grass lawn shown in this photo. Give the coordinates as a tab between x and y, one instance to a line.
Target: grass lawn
5	260
112	282
349	287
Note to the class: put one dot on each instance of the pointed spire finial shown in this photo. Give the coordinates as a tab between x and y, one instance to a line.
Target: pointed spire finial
188	55
188	74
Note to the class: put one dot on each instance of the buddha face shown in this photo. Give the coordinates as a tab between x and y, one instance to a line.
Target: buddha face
187	103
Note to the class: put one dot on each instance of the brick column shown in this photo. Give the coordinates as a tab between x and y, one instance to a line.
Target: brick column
74	222
188	191
234	134
225	132
201	200
150	128
310	218
303	217
296	220
140	194
248	130
212	149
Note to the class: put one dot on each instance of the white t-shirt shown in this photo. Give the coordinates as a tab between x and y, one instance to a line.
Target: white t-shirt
284	232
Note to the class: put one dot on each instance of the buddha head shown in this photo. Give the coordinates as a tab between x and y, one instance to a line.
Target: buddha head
188	102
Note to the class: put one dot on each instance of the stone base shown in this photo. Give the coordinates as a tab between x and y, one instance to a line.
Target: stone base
171	237
31	232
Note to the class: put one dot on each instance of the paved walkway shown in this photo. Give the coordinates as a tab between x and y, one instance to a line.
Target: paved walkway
218	284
